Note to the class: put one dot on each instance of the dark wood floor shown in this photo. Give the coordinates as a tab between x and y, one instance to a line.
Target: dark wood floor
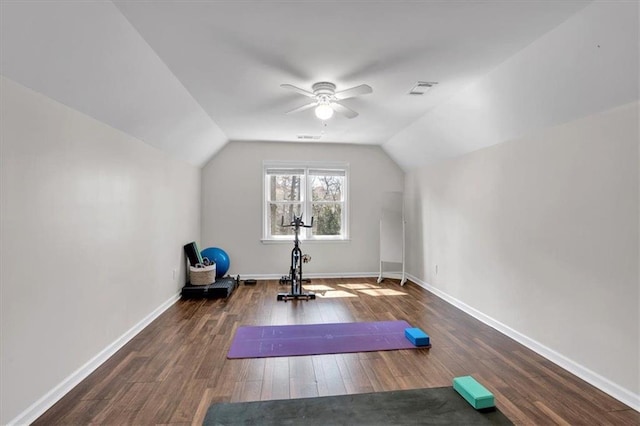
174	369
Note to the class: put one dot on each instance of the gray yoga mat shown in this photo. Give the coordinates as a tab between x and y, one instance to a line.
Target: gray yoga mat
435	406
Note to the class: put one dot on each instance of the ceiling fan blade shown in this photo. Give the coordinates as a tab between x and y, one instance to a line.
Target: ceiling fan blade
363	89
347	112
302	108
297	90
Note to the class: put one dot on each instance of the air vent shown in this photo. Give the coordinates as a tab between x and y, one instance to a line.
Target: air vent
421	87
309	137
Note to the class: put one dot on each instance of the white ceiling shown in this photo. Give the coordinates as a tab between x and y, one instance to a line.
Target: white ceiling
188	76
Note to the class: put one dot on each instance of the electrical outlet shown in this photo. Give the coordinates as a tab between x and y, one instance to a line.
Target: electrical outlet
436	269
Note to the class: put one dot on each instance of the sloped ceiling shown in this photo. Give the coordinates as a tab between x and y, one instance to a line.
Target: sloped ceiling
86	55
188	76
587	65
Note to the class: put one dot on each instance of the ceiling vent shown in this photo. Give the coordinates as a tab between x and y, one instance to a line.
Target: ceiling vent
309	137
421	87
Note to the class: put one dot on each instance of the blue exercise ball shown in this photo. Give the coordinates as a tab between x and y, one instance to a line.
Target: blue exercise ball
219	256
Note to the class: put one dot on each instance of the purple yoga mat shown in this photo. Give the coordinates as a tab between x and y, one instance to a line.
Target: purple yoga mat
315	339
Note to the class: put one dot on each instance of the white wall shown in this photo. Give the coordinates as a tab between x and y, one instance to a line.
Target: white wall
93	223
232	207
541	235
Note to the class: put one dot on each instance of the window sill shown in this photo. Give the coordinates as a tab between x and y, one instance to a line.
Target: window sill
268	241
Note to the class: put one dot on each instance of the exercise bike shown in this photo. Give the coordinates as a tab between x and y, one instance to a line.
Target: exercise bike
295	271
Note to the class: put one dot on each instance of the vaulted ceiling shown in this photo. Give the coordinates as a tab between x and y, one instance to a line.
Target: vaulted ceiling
189	76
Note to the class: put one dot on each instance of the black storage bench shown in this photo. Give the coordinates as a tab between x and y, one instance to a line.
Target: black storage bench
222	288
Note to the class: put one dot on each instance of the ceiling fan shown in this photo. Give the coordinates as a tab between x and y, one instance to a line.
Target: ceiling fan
325	99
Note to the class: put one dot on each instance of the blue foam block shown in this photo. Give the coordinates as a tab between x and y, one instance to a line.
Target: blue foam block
477	395
417	336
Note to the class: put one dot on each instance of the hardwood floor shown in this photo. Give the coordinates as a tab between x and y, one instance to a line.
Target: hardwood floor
176	367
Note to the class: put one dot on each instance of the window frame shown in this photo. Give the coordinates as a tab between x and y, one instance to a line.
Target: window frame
306	199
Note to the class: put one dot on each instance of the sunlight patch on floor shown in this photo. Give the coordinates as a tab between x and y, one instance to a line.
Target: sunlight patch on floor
358	286
318	287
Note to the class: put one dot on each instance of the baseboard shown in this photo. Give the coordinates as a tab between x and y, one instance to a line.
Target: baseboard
310	275
54	395
618	392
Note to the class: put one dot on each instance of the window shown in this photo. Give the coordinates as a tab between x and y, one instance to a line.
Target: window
311	190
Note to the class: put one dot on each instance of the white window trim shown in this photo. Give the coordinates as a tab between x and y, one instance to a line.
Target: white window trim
306	165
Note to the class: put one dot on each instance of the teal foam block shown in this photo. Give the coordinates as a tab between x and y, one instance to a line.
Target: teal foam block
475	394
417	337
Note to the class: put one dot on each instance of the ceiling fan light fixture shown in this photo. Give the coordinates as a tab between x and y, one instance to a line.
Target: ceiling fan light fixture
326	100
324	111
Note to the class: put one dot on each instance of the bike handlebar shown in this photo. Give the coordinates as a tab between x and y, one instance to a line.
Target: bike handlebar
296	222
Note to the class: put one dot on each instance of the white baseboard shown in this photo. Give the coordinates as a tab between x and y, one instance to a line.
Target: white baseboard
616	391
54	395
305	275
